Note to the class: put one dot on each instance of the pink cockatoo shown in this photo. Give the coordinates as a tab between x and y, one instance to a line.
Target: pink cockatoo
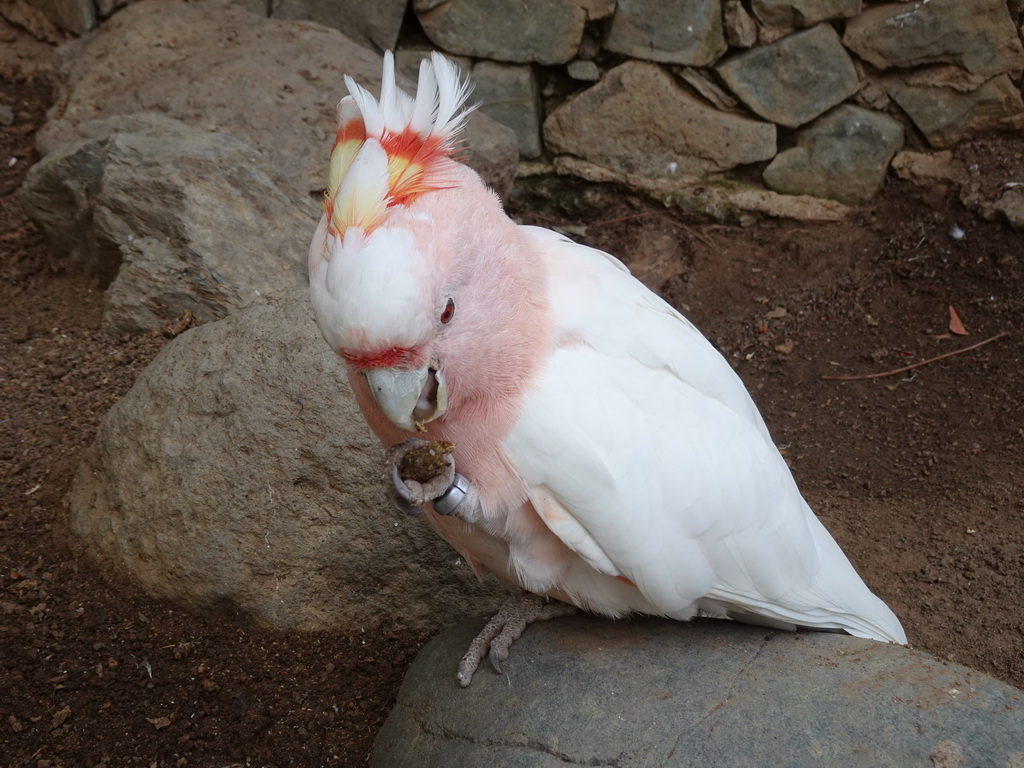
605	455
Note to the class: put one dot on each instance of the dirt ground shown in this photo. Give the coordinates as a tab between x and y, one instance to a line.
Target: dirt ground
916	474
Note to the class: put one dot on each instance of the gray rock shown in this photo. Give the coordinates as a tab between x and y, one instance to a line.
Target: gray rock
637	120
170	217
768	35
803	13
793	81
1010	205
651	693
271	83
925	169
947	115
977	35
586	71
842	155
407	62
76	16
373	24
740	27
237	474
943	76
508	94
668	31
492	150
542	31
702	83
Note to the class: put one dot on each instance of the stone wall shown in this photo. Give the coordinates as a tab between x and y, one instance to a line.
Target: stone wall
664	94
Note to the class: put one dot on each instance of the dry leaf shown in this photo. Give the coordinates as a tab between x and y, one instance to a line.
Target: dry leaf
955	324
785	347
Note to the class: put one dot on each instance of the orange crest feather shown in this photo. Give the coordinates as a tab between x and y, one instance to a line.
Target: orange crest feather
417	136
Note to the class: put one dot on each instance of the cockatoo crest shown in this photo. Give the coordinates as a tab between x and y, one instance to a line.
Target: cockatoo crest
390	151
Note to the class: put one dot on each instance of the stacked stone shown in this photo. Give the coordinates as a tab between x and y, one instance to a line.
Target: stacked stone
666	93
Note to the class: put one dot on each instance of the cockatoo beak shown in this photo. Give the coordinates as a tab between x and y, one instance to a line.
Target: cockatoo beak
409	398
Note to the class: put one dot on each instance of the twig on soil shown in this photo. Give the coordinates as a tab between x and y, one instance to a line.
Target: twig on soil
695	234
905	368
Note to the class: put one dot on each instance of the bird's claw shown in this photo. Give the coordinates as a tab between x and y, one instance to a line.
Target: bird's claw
408	494
496	658
496	638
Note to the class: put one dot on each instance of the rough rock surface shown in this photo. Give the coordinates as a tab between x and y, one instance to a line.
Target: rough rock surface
793	81
977	35
668	31
542	31
803	13
842	155
374	25
508	94
682	134
170	218
946	115
238	474
77	16
275	87
740	27
651	693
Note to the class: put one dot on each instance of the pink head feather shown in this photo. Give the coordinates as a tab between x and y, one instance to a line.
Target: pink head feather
407	229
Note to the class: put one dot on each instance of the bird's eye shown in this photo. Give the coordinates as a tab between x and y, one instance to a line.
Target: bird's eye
448	313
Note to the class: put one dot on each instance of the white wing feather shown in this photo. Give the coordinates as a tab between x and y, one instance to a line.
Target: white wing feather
646	456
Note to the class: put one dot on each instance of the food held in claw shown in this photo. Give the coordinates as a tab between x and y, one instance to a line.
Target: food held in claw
426	462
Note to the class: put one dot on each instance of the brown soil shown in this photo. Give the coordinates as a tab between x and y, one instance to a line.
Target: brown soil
917	474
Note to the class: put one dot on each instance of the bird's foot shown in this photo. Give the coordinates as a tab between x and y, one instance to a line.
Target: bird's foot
496	638
417	472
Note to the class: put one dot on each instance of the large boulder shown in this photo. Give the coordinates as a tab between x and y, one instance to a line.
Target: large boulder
803	13
652	693
375	24
170	218
272	83
238	474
